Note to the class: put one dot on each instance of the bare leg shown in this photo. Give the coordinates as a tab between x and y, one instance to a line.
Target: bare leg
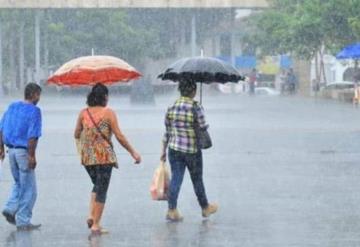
92	202
98	210
90	219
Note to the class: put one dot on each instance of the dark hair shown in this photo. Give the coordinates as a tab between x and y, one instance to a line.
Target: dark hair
97	96
187	87
31	89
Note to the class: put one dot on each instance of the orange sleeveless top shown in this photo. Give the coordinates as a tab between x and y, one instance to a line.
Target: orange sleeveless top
95	150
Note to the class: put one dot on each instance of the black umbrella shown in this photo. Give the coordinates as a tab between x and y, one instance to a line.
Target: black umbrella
201	69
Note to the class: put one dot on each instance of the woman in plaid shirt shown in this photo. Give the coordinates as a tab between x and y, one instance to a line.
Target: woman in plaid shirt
180	139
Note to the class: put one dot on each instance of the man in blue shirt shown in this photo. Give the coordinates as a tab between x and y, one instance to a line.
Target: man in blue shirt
20	129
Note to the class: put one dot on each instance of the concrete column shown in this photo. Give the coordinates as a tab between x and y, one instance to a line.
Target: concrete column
213	46
232	37
21	55
37	46
183	27
46	47
193	36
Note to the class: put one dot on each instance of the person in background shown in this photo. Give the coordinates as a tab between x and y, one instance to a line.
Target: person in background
20	129
356	98
252	81
282	78
316	87
292	81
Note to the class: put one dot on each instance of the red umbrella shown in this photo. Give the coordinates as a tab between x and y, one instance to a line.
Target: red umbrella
90	70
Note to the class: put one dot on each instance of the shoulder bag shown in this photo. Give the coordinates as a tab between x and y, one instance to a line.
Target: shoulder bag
203	138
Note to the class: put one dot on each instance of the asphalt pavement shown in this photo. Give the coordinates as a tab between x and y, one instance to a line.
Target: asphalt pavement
284	171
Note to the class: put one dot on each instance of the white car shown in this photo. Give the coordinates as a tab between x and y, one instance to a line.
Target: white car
266	91
343	90
339	85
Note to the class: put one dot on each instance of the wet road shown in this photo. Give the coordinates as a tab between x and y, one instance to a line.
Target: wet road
285	172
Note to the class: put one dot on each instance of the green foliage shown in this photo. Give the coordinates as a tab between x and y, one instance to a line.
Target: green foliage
304	27
131	34
353	18
75	33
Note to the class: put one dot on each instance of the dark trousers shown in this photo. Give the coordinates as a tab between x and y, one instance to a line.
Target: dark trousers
100	177
193	162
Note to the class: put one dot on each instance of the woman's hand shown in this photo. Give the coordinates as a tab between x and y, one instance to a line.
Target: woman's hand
163	156
136	156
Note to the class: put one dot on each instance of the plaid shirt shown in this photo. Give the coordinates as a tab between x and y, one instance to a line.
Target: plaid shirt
179	122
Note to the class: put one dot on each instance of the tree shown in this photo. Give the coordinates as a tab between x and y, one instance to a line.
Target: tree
66	34
305	28
132	34
77	32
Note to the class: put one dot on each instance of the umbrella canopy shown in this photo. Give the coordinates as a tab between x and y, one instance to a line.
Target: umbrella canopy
201	69
350	52
90	70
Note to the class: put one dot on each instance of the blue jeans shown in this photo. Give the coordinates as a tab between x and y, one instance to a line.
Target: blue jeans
23	193
178	162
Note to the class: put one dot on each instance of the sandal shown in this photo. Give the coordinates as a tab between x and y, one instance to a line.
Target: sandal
90	222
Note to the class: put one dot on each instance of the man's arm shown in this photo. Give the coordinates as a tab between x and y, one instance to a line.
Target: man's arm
2	148
32	144
34	134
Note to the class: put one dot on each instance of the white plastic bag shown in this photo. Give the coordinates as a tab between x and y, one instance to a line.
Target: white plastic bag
160	183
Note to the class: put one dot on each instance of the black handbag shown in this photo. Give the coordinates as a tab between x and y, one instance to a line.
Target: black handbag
203	138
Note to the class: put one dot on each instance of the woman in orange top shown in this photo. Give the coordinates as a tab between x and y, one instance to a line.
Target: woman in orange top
94	130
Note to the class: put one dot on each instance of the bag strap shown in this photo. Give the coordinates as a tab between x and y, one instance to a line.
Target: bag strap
98	129
195	115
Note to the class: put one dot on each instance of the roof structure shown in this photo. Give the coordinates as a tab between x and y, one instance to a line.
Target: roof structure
133	4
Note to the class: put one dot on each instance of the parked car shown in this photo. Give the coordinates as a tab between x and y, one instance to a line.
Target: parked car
266	91
339	85
343	90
